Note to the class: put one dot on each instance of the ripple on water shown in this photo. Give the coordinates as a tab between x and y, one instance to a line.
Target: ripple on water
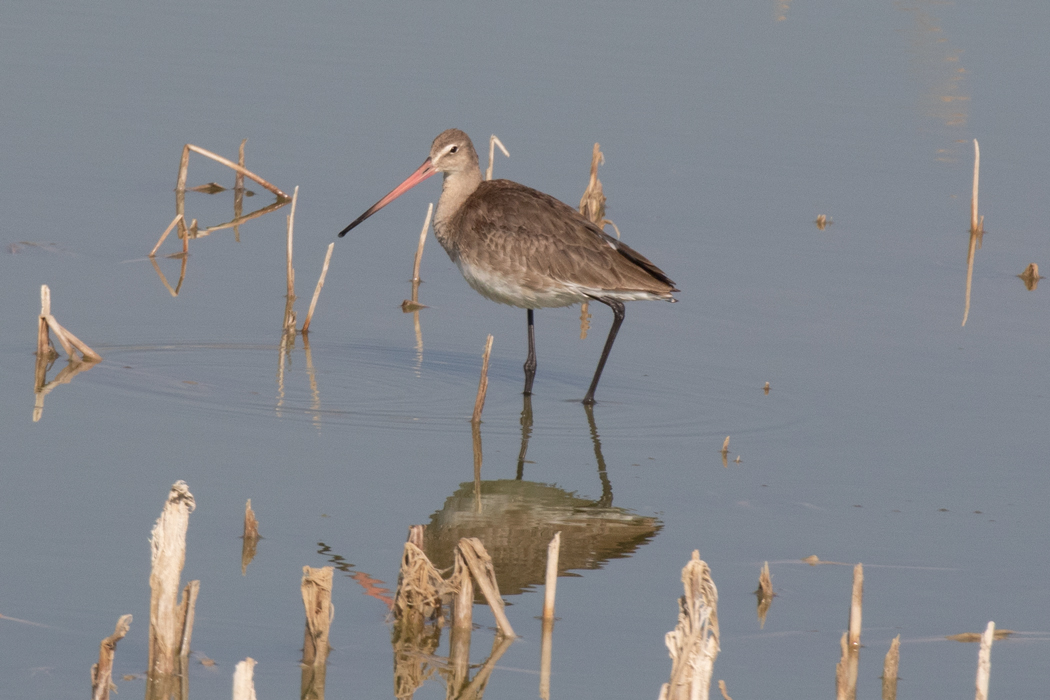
374	385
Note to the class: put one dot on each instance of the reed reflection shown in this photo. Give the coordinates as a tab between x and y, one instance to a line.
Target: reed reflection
517	519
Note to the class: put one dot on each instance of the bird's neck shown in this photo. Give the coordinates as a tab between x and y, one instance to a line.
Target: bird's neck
454	192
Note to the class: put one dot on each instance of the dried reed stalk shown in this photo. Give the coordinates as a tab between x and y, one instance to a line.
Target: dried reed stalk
463	602
493	142
889	670
592	203
846	671
176	220
316	587
43	340
243	682
546	655
976	224
415	535
184	167
1031	277
68	341
289	309
693	644
102	672
251	525
422	242
317	289
187	613
483	383
168	545
722	689
856	605
984	662
238	180
480	564
553	549
849	662
420	587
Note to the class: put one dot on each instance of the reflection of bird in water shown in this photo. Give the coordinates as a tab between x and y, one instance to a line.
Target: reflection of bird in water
517	246
517	519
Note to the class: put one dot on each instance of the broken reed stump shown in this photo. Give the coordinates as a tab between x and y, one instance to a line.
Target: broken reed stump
317	289
243	681
890	667
420	589
765	594
170	621
250	537
694	642
1031	277
102	672
849	662
483	383
984	662
316	589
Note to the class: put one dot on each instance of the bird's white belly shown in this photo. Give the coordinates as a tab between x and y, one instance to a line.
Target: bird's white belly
504	289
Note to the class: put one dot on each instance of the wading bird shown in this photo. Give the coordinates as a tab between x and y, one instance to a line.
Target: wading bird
518	246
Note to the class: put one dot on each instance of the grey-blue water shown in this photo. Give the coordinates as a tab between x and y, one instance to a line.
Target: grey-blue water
891	435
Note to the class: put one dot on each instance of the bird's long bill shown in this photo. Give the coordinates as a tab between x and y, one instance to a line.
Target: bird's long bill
424	171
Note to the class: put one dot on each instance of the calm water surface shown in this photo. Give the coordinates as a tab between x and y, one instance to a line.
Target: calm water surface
892	435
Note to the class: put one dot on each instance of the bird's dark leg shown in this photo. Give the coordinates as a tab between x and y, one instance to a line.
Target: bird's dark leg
618	314
530	361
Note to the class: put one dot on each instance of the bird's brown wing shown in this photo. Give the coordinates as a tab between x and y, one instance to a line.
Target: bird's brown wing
523	232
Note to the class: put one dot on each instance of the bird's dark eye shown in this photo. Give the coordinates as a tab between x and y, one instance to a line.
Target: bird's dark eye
453	149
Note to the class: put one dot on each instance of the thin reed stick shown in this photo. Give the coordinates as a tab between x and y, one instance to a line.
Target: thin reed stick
975	223
483	384
238	181
317	289
553	550
43	341
176	220
493	142
419	250
187	614
291	228
225	161
984	662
